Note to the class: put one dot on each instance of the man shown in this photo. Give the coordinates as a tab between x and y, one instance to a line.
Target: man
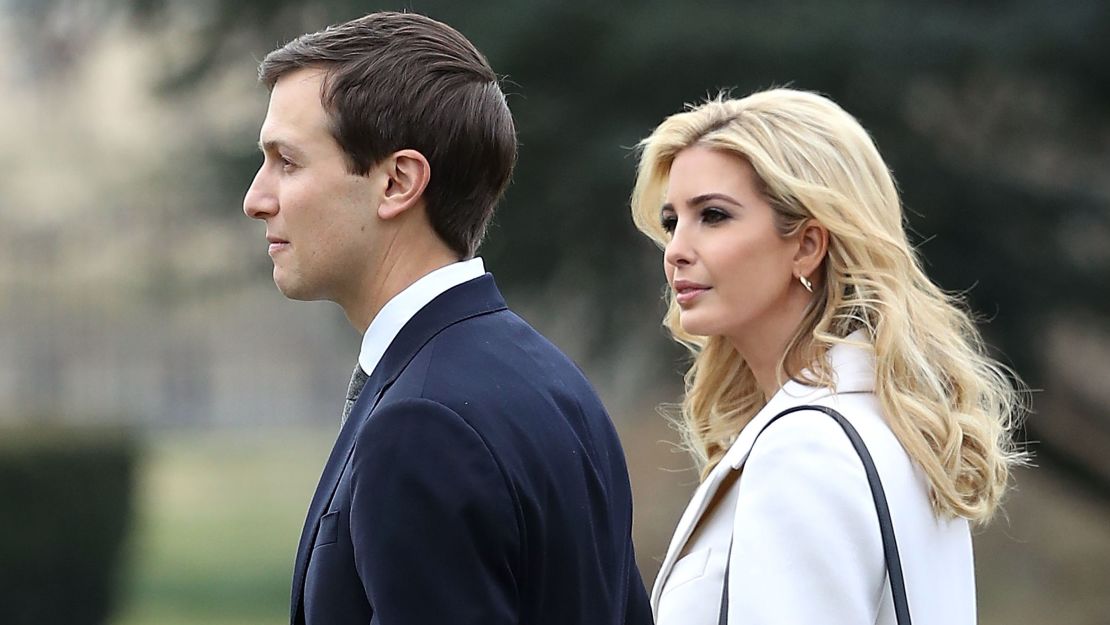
476	477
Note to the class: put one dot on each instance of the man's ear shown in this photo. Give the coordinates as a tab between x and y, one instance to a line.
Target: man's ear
407	174
813	244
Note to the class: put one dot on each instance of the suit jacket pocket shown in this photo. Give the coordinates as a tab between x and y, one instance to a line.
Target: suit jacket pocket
329	529
687	569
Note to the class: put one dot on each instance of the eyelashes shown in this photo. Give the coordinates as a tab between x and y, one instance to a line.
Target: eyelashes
710	216
668	222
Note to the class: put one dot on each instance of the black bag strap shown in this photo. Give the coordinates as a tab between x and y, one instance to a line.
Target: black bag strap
886	527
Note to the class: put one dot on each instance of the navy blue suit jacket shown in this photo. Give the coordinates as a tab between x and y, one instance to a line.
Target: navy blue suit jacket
478	481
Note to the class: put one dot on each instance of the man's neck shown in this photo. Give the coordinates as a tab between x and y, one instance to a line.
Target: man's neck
395	273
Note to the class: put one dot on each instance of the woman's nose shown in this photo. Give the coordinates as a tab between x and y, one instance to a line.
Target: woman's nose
678	251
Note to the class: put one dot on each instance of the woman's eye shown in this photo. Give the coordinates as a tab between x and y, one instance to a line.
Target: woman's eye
713	215
669	222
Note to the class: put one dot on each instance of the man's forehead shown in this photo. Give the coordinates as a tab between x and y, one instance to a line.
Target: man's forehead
295	113
305	79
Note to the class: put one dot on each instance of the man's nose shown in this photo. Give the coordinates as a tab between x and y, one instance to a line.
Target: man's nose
260	202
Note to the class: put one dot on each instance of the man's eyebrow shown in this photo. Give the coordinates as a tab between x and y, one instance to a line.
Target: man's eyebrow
273	145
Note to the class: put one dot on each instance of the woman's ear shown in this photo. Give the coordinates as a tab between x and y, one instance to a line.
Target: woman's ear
813	244
407	174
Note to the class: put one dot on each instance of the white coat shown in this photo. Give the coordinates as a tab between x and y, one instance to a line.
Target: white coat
805	535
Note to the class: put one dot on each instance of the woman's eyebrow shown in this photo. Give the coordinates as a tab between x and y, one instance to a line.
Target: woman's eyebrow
707	197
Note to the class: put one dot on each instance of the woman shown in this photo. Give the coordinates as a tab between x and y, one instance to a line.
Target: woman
793	284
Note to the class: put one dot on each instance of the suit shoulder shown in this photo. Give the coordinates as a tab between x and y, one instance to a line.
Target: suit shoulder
486	355
408	431
418	417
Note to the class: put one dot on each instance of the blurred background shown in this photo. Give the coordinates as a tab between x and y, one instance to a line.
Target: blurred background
165	412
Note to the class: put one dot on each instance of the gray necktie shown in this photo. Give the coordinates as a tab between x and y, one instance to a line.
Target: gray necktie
358	380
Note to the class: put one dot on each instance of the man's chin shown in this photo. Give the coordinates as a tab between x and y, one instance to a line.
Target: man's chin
292	289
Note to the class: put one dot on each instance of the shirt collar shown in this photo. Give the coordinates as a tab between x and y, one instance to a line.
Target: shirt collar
403	306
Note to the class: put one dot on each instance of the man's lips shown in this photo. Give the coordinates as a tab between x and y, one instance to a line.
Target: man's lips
686	292
276	244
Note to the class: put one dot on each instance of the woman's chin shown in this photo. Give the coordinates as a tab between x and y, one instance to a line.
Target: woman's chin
695	327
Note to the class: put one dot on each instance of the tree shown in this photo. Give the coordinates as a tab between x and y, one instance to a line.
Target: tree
992	116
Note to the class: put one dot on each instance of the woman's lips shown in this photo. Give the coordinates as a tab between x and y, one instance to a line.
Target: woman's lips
686	292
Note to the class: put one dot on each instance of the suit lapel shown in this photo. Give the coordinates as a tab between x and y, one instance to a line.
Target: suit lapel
467	300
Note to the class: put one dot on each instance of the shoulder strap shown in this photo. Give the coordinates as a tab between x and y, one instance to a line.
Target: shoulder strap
886	527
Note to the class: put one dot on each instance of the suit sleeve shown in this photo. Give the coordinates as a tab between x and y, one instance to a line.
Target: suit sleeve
433	525
638	607
806	543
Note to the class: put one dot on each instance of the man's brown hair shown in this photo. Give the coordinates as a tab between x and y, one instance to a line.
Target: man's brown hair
405	81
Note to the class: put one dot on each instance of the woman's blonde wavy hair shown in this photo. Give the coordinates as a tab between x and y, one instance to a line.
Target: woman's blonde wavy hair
953	408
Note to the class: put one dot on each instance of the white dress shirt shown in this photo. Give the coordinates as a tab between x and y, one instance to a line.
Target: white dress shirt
403	306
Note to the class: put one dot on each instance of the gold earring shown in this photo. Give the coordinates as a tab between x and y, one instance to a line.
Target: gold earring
806	283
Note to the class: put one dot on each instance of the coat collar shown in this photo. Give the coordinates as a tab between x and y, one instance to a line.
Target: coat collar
467	300
853	364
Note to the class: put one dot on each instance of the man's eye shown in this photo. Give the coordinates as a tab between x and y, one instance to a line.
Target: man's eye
286	164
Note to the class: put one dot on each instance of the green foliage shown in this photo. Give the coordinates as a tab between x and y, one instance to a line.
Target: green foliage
992	115
67	496
586	82
218	517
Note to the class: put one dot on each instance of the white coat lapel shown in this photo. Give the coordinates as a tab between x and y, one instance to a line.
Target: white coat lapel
856	374
734	459
694	510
